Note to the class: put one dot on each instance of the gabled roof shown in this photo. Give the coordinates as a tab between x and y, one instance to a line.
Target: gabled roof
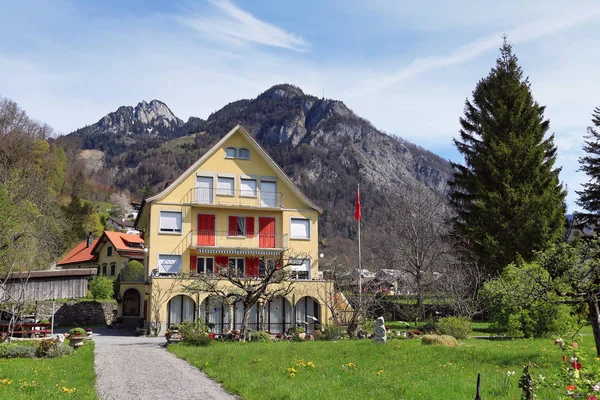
259	149
81	253
122	222
120	241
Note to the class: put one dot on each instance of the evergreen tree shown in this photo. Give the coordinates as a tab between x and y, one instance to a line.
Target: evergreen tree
508	198
589	197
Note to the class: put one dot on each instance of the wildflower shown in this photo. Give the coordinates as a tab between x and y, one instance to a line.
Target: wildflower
510	373
596	387
576	365
575	345
570	389
542	378
310	364
592	398
564	358
559	341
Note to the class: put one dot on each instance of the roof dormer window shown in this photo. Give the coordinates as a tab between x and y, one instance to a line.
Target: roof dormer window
230	152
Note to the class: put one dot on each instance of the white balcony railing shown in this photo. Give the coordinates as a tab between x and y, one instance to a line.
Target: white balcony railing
238	198
224	239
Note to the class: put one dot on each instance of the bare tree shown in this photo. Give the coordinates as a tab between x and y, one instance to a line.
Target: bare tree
120	204
159	296
232	286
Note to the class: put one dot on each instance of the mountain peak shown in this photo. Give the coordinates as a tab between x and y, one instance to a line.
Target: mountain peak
283	90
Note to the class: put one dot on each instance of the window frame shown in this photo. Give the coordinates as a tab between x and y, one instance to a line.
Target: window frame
237	259
239	154
113	269
219	190
292	219
243	191
203	269
109	251
235	152
160	263
294	273
170	232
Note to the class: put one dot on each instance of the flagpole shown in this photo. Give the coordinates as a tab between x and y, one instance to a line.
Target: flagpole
359	254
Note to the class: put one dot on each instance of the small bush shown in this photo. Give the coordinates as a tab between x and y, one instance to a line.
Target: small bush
134	270
442	340
45	346
77	332
197	339
59	350
459	327
101	288
333	332
261	337
191	328
15	350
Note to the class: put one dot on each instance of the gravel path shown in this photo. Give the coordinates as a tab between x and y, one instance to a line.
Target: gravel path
129	367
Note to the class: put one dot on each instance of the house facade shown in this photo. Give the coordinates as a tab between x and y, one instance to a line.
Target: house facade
109	253
234	207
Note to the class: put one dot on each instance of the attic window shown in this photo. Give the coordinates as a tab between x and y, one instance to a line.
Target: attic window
244	154
230	152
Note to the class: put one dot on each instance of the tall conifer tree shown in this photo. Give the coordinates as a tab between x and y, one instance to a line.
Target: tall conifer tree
507	195
589	197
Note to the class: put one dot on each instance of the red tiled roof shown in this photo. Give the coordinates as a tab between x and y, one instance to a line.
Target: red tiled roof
81	253
120	240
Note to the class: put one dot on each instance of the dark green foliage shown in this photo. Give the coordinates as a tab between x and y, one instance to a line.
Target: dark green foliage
260	336
194	333
589	197
508	198
101	288
17	350
77	332
458	327
133	271
60	350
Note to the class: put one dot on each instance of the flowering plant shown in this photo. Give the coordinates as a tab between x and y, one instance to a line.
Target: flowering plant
577	377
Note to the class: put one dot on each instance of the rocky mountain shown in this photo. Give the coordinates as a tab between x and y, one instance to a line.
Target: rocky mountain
320	143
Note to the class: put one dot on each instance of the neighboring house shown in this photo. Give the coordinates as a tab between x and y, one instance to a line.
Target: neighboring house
109	253
234	206
392	282
135	209
123	225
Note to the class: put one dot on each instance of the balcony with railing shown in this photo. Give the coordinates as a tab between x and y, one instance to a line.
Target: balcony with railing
217	241
231	197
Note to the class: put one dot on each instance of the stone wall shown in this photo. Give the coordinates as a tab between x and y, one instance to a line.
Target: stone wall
78	313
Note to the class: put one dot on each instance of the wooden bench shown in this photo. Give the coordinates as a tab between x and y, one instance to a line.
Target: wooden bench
28	329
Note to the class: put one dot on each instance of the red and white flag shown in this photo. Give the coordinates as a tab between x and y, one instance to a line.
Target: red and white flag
357	207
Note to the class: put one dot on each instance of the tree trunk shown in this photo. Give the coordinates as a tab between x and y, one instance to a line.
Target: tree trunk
595	320
244	331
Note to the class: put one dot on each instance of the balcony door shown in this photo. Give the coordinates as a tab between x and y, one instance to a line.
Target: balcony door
266	232
206	230
268	194
204	190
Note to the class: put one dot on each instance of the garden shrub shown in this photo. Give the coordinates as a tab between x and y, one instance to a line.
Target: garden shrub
333	332
197	339
59	350
101	288
443	340
260	337
45	346
16	350
518	310
132	271
77	332
190	328
459	327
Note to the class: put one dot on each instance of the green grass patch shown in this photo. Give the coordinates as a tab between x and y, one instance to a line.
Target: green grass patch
401	369
67	377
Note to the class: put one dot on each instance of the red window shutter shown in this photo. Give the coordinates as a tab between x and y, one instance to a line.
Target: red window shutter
252	266
193	263
250	227
220	262
233	226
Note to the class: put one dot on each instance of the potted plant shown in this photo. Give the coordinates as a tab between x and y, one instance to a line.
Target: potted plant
88	334
300	332
76	337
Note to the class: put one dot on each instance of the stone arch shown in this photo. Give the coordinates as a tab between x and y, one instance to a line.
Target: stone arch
278	315
308	313
131	305
180	308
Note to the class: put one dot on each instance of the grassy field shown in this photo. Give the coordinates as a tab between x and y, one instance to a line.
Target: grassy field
67	377
401	369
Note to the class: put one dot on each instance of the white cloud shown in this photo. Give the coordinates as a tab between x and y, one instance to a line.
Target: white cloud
239	26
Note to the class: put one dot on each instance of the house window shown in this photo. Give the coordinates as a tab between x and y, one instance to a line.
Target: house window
109	251
248	187
236	265
170	221
112	269
169	264
205	265
300	228
300	268
230	152
225	186
103	269
237	226
244	154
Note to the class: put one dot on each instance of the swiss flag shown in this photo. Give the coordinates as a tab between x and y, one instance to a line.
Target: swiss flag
357	207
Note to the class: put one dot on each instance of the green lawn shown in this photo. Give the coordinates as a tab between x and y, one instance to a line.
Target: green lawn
67	377
401	369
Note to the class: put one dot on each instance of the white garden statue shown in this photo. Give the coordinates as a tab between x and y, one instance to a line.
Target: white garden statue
379	333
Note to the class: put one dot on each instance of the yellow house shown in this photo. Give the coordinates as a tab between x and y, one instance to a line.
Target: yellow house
109	253
233	207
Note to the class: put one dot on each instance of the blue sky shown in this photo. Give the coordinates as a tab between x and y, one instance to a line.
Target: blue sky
406	66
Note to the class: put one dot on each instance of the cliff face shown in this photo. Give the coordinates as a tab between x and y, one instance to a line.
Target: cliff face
320	143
